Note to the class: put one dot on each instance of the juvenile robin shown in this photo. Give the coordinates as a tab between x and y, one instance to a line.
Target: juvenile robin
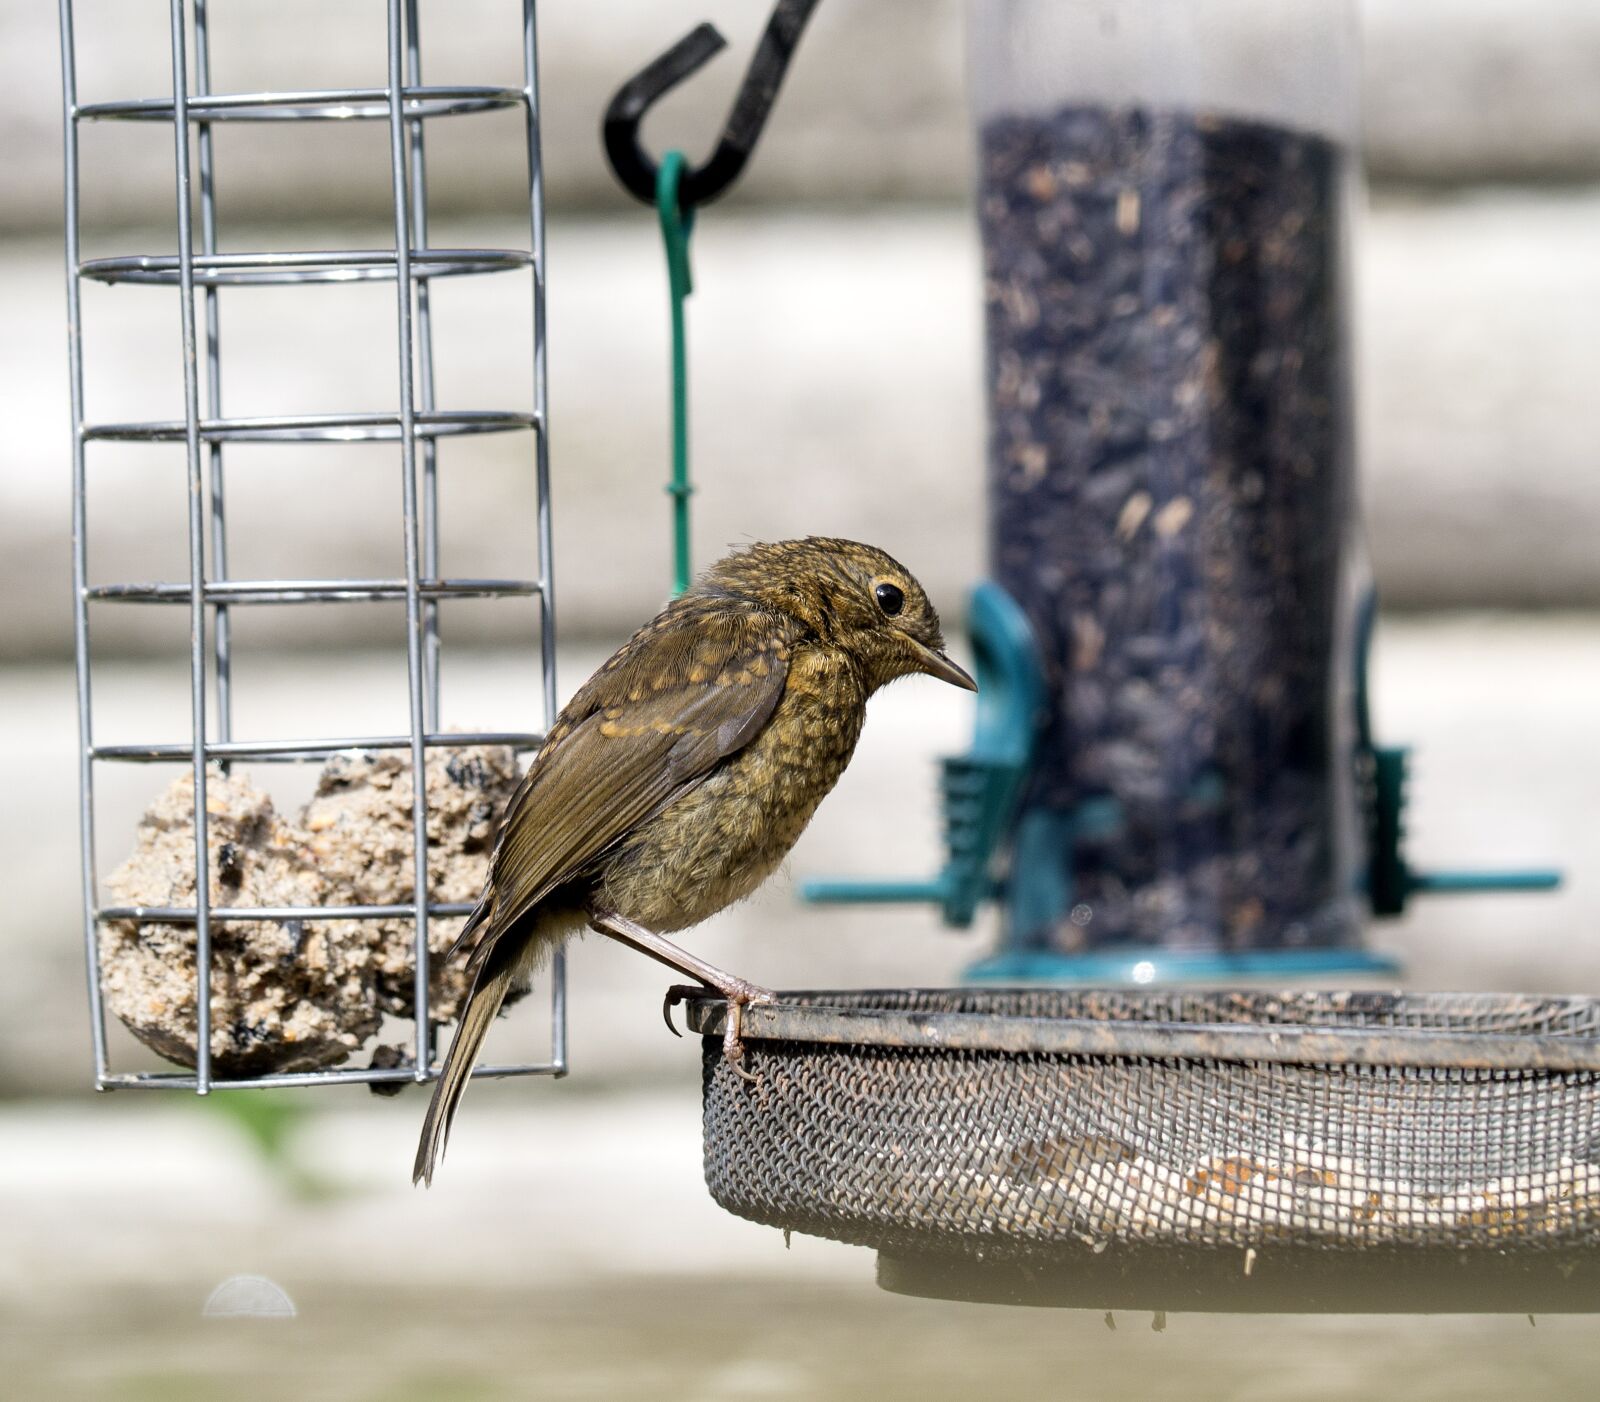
682	772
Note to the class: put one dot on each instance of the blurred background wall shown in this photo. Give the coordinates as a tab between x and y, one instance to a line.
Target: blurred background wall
835	326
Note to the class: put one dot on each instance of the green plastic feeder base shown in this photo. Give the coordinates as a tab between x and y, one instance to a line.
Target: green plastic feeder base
1137	965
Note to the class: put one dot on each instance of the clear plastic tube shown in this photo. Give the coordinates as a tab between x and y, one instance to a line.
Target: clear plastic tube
1164	191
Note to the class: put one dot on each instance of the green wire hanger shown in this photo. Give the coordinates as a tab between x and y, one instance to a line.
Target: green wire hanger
677	223
677	189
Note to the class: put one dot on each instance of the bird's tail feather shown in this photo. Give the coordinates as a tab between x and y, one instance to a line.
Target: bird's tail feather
480	913
489	991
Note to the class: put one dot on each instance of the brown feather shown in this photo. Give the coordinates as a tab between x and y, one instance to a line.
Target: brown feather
638	731
489	991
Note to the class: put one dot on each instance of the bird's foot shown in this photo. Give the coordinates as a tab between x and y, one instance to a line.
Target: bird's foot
732	1043
738	994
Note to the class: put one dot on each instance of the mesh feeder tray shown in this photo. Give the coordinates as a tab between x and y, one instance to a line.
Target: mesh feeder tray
1176	1150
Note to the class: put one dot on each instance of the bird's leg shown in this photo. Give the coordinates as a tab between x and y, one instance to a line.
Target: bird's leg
736	990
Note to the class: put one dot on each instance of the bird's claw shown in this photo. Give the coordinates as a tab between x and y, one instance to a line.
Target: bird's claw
675	995
733	1053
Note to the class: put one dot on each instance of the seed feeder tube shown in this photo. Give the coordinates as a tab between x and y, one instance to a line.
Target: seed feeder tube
1164	196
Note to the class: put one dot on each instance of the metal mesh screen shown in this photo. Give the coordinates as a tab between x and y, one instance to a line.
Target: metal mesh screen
1029	1153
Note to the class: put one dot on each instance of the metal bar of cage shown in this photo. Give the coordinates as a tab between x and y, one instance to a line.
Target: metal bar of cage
224	750
357	1076
185	915
547	636
315	591
330	104
314	428
221	627
425	377
345	265
405	104
408	481
80	567
197	549
430	642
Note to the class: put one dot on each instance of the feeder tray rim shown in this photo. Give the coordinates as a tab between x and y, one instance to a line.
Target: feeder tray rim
817	1021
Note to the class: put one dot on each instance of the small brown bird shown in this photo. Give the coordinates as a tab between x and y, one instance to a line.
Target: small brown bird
682	772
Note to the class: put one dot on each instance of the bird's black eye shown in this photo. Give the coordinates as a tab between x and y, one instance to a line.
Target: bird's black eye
890	599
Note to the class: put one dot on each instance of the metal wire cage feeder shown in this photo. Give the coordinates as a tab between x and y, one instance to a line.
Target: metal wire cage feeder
416	425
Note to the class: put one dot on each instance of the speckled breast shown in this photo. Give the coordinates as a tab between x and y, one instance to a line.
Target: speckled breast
719	841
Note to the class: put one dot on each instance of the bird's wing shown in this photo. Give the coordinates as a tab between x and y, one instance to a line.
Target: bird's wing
683	694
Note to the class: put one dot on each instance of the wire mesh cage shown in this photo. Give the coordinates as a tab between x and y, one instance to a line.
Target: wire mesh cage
415	426
1136	1144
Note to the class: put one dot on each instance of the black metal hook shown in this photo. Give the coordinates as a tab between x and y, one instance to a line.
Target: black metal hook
751	107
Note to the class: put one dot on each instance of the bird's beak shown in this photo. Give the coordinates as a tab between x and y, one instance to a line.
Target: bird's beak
936	664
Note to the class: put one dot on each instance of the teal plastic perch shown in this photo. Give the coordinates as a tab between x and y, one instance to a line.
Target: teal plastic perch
1533	879
1391	880
935	890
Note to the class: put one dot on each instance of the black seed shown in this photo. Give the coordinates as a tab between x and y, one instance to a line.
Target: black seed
386	1057
1170	478
230	872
